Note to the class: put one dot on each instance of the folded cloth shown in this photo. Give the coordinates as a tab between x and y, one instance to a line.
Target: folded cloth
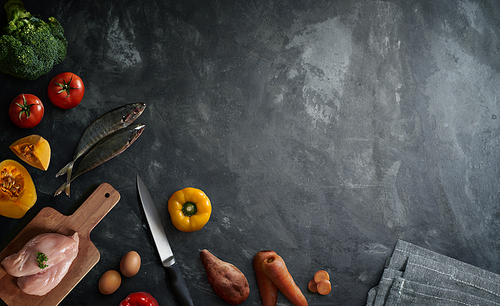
417	276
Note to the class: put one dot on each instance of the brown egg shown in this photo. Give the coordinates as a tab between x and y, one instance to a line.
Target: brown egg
130	264
109	282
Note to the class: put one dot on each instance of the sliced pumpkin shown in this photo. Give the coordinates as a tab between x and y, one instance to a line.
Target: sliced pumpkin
34	150
17	190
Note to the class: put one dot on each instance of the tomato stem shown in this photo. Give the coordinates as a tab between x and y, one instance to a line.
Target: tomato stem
65	87
25	108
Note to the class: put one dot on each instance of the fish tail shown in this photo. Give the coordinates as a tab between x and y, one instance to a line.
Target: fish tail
65	169
68	179
60	189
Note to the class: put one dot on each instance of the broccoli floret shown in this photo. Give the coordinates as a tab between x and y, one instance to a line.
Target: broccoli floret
31	46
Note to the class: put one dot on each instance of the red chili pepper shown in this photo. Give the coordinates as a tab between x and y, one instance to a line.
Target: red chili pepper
139	299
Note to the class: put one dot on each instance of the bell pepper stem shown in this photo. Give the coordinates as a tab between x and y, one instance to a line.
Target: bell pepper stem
189	209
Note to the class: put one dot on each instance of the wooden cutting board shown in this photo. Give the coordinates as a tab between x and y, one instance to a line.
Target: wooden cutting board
48	220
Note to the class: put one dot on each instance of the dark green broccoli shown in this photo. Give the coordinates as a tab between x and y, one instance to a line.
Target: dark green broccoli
31	46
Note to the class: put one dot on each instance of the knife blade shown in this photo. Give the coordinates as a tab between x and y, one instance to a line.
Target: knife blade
160	238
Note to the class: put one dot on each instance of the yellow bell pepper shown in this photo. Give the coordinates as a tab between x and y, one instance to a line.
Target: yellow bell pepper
189	209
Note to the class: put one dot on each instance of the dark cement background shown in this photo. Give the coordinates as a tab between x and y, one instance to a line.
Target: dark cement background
324	130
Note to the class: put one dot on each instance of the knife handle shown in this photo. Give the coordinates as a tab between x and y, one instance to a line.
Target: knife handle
180	288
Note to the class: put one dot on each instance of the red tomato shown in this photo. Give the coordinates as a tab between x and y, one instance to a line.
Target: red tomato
26	111
66	90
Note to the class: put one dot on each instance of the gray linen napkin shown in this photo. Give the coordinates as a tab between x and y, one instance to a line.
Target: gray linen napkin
417	276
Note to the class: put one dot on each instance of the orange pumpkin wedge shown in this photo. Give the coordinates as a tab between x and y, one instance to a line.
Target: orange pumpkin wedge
34	150
17	190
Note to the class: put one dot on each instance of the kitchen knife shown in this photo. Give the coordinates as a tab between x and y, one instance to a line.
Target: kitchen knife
160	238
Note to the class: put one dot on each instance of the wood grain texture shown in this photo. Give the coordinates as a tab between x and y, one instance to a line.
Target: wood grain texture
48	220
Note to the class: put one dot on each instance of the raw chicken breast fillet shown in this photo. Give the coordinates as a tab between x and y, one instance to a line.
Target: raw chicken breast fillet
60	250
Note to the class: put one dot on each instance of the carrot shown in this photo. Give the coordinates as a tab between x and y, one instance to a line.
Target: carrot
312	286
324	287
321	275
275	269
268	291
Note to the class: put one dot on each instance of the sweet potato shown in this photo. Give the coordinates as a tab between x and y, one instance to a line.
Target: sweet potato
228	282
268	291
275	269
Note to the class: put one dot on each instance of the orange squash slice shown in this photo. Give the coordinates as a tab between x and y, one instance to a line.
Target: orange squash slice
17	190
34	150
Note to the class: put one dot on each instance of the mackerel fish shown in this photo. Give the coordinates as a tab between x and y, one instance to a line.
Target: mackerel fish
106	149
106	124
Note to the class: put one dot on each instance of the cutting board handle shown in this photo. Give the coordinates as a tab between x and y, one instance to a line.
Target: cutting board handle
97	205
